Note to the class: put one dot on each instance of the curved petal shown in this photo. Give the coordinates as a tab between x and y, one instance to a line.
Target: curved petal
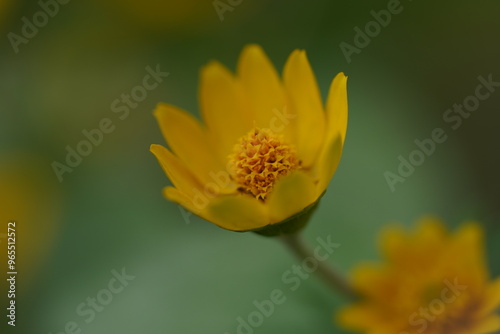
188	140
237	212
336	108
327	162
336	127
175	195
291	194
223	107
263	89
176	170
303	92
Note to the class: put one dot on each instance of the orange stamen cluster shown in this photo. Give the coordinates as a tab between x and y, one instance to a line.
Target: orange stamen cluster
259	160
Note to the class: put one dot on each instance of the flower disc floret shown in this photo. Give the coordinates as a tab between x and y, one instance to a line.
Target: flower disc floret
259	160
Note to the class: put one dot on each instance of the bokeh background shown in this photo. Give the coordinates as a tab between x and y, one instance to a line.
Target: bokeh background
190	276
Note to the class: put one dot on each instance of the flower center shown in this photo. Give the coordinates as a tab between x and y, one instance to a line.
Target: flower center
260	158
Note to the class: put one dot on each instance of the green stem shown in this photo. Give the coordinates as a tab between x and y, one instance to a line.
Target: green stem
296	245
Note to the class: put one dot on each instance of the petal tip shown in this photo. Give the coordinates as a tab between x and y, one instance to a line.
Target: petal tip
212	64
160	109
157	150
252	47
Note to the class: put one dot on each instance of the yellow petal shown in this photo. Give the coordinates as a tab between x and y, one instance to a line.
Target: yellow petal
291	194
336	108
327	163
188	141
365	317
195	205
356	317
223	107
303	92
175	195
369	279
416	252
470	235
176	170
431	230
491	297
429	239
468	241
393	242
336	118
262	87
488	325
237	212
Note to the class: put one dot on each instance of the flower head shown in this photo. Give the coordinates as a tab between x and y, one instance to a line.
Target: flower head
259	160
431	282
268	146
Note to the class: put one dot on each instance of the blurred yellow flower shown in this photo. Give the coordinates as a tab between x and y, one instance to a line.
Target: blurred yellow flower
32	199
268	148
431	282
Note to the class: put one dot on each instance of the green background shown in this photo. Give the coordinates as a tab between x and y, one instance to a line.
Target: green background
191	276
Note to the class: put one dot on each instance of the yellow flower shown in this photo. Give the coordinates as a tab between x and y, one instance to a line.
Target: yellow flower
432	282
267	150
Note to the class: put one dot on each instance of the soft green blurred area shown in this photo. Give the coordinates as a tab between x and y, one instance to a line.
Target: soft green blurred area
190	276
